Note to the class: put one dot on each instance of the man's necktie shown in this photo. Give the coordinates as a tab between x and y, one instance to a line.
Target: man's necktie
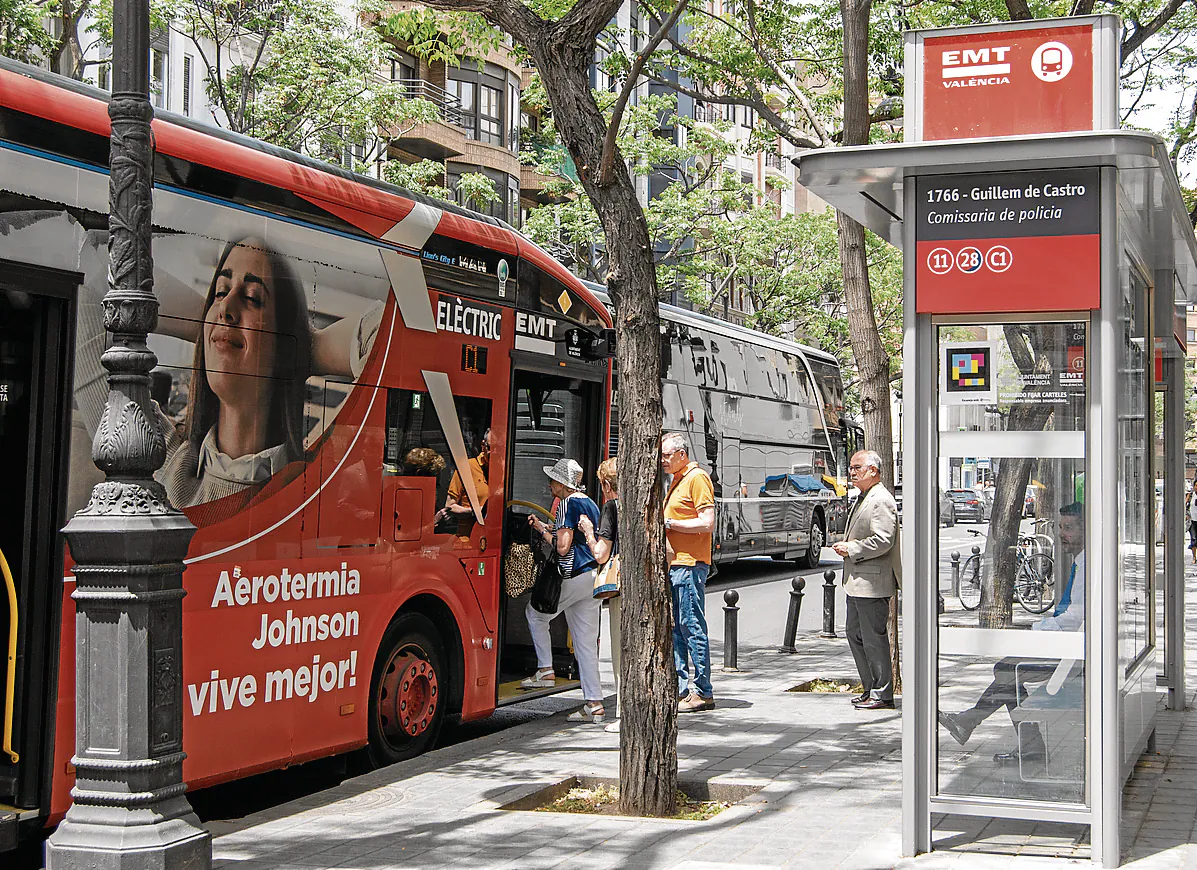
1066	598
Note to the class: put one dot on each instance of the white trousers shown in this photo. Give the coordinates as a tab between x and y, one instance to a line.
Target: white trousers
581	611
613	611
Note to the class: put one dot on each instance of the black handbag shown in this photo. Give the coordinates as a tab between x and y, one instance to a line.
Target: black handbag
546	594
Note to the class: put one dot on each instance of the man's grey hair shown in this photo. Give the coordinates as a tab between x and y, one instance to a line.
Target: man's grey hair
870	458
675	441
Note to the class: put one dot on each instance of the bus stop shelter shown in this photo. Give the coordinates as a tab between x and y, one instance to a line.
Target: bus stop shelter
1045	279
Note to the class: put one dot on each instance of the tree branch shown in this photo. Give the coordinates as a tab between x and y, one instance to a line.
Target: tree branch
1019	10
1144	32
791	85
629	85
585	20
783	127
524	25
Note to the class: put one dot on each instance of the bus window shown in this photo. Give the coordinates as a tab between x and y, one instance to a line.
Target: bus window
416	446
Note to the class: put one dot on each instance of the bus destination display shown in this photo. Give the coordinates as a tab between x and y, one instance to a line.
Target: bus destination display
473	359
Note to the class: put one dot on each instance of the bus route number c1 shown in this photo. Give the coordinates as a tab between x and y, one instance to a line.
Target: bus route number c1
473	359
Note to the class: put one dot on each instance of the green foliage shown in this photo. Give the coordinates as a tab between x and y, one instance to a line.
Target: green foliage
23	36
298	74
438	36
428	177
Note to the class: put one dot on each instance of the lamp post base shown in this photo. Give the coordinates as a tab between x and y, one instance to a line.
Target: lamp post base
167	844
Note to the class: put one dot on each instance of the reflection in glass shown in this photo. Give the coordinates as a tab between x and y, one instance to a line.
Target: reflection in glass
1010	380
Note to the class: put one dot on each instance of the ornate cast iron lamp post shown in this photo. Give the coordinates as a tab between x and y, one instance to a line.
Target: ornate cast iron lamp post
129	811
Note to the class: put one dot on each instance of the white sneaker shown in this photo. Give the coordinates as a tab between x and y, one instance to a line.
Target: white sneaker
590	712
612	727
544	678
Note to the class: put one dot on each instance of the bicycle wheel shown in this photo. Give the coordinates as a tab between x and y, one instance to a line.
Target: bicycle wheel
970	582
1034	587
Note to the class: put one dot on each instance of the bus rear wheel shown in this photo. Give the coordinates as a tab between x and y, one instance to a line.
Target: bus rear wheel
817	539
406	691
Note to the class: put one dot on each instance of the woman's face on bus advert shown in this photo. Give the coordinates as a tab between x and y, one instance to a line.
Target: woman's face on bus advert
239	326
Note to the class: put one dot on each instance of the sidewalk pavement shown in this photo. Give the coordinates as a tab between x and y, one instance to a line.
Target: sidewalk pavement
830	795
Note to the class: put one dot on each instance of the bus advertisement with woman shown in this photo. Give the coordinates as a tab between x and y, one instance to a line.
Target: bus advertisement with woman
345	376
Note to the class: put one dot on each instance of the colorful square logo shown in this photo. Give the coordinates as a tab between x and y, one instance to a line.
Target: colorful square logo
969	369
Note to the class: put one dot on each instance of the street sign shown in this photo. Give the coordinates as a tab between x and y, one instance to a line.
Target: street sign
1008	241
1012	79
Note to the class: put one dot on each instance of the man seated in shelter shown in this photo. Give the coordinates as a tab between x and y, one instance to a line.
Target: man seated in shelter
1011	674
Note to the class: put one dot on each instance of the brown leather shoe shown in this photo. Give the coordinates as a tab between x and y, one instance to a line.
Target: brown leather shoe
876	704
695	703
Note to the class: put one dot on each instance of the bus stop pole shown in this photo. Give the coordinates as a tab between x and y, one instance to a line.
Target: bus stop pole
1175	523
128	544
919	598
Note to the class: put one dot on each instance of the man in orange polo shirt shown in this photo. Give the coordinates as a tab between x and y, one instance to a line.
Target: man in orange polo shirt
457	502
689	523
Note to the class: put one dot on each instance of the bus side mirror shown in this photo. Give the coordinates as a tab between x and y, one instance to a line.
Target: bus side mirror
602	346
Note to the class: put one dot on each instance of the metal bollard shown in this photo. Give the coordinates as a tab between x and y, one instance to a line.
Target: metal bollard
828	604
731	632
796	593
955	574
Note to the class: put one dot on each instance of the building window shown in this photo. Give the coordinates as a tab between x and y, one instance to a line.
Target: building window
1191	336
464	92
402	71
158	82
513	111
187	84
490	115
513	202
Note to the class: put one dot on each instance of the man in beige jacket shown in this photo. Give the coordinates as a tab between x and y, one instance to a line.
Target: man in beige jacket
872	572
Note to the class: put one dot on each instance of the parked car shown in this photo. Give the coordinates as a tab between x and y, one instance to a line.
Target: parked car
947	510
947	507
968	505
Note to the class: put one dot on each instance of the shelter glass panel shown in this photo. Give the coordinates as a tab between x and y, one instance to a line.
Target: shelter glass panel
1012	570
1136	550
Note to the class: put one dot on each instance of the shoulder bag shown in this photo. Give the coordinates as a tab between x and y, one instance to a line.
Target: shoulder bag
546	593
606	583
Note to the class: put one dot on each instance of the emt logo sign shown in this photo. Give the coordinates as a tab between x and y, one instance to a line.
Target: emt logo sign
1011	79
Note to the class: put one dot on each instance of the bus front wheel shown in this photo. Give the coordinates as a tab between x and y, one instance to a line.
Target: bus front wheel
407	691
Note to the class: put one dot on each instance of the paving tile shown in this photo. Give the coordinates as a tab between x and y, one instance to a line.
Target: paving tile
833	798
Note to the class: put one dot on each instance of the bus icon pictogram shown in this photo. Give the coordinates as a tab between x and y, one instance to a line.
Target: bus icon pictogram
1051	61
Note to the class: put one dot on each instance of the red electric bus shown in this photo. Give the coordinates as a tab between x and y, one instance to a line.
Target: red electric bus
358	388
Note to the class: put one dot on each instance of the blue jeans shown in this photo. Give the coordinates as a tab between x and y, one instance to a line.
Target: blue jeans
688	583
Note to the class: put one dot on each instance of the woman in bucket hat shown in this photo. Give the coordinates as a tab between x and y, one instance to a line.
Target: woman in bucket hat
581	608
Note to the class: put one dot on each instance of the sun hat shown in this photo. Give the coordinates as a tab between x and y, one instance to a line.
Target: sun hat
567	473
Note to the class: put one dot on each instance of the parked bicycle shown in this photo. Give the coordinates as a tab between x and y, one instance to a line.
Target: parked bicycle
1034	584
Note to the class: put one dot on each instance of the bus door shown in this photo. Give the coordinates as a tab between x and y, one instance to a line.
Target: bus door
36	326
558	412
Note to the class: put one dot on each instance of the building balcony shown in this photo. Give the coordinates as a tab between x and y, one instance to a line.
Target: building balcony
534	186
433	140
776	164
707	114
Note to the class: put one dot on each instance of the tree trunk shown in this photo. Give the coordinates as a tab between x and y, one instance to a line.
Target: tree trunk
872	362
648	727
